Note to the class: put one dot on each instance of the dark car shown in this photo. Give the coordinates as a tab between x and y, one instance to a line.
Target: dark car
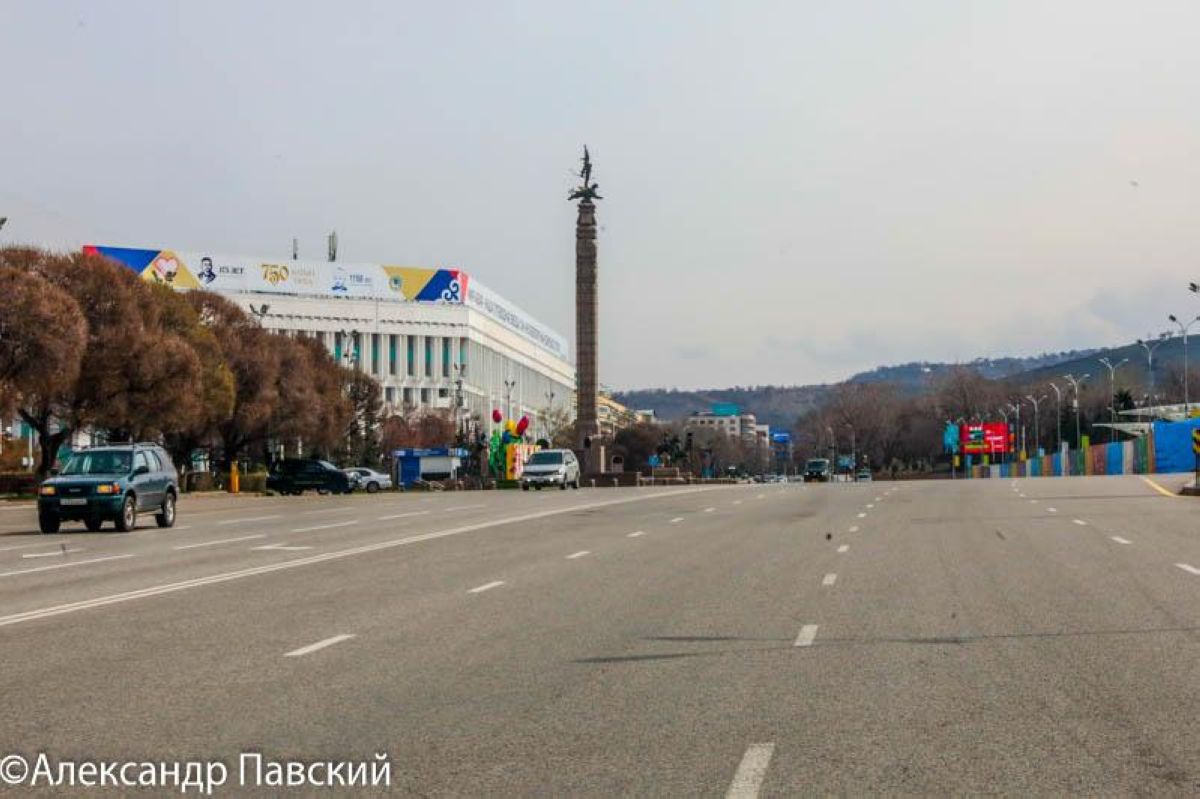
295	476
111	483
817	471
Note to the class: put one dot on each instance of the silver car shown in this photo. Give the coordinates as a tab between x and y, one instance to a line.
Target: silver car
551	467
368	480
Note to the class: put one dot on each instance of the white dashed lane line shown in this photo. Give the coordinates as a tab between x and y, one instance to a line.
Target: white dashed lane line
1080	522
402	515
279	548
862	515
64	565
1120	540
854	528
325	526
709	510
58	553
249	520
486	587
221	541
748	779
635	534
323	510
576	555
843	549
1186	567
308	650
807	634
830	579
677	520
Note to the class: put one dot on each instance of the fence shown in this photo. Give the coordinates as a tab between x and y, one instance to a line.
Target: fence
1167	448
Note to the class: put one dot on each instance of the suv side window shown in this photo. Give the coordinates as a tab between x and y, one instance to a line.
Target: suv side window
154	461
140	460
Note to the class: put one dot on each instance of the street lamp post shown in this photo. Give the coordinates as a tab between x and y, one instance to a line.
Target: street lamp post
1075	382
1150	347
460	372
1007	432
1037	430
1112	394
853	451
1184	330
1057	417
509	385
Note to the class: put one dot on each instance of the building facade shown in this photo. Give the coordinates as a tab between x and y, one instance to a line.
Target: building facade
429	336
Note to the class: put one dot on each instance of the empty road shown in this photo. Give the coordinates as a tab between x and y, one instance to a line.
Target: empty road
1031	636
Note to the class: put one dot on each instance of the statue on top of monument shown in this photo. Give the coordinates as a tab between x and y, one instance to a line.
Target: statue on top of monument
587	191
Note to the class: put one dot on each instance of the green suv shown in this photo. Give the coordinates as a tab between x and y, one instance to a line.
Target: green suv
110	483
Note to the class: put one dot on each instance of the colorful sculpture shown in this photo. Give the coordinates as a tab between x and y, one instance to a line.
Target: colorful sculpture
507	448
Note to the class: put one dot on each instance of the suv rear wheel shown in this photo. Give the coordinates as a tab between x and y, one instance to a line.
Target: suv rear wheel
128	518
166	516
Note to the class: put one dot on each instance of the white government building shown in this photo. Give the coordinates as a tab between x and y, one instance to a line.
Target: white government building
417	331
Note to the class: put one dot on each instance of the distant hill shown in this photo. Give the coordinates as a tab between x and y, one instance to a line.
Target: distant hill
781	406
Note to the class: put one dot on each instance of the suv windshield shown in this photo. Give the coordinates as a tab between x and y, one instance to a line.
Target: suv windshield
817	464
103	462
545	459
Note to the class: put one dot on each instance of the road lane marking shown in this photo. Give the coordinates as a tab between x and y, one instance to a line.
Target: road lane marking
737	502
486	587
1120	540
221	541
761	496
1080	522
311	560
748	779
31	546
635	534
843	549
325	526
462	507
862	515
248	521
830	579
58	553
1159	488
677	520
709	510
308	650
325	510
807	633
579	554
402	515
1184	566
870	505
879	499
854	528
279	548
64	565
1033	502
1052	510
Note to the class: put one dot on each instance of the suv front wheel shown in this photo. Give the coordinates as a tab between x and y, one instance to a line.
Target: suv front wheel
49	522
128	518
166	516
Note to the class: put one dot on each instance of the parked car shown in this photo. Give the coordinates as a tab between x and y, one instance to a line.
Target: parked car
295	476
551	467
110	483
863	476
368	480
817	470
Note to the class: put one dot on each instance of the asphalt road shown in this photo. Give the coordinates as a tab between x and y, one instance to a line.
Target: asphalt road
1038	636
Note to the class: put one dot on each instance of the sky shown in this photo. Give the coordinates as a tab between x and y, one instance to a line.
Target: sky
793	191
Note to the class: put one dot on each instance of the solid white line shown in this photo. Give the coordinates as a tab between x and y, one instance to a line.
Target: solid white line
1120	540
1184	566
58	553
247	521
677	520
222	541
214	579
635	534
578	554
751	772
862	515
325	526
854	528
402	515
1080	522
63	566
844	548
830	579
486	587
308	650
807	633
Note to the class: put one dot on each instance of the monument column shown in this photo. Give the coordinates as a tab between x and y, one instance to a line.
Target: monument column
587	383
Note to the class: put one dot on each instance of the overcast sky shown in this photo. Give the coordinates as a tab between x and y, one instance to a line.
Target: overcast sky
793	191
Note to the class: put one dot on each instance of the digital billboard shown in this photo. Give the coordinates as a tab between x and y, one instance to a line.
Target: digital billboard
988	438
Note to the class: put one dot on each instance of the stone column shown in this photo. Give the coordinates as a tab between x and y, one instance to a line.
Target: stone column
586	334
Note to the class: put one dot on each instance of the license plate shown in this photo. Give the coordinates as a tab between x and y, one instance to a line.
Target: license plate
72	502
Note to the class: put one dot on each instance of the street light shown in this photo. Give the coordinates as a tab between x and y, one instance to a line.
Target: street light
1007	432
460	371
1015	407
1037	437
1150	347
1075	381
509	385
1112	393
1184	330
1057	417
